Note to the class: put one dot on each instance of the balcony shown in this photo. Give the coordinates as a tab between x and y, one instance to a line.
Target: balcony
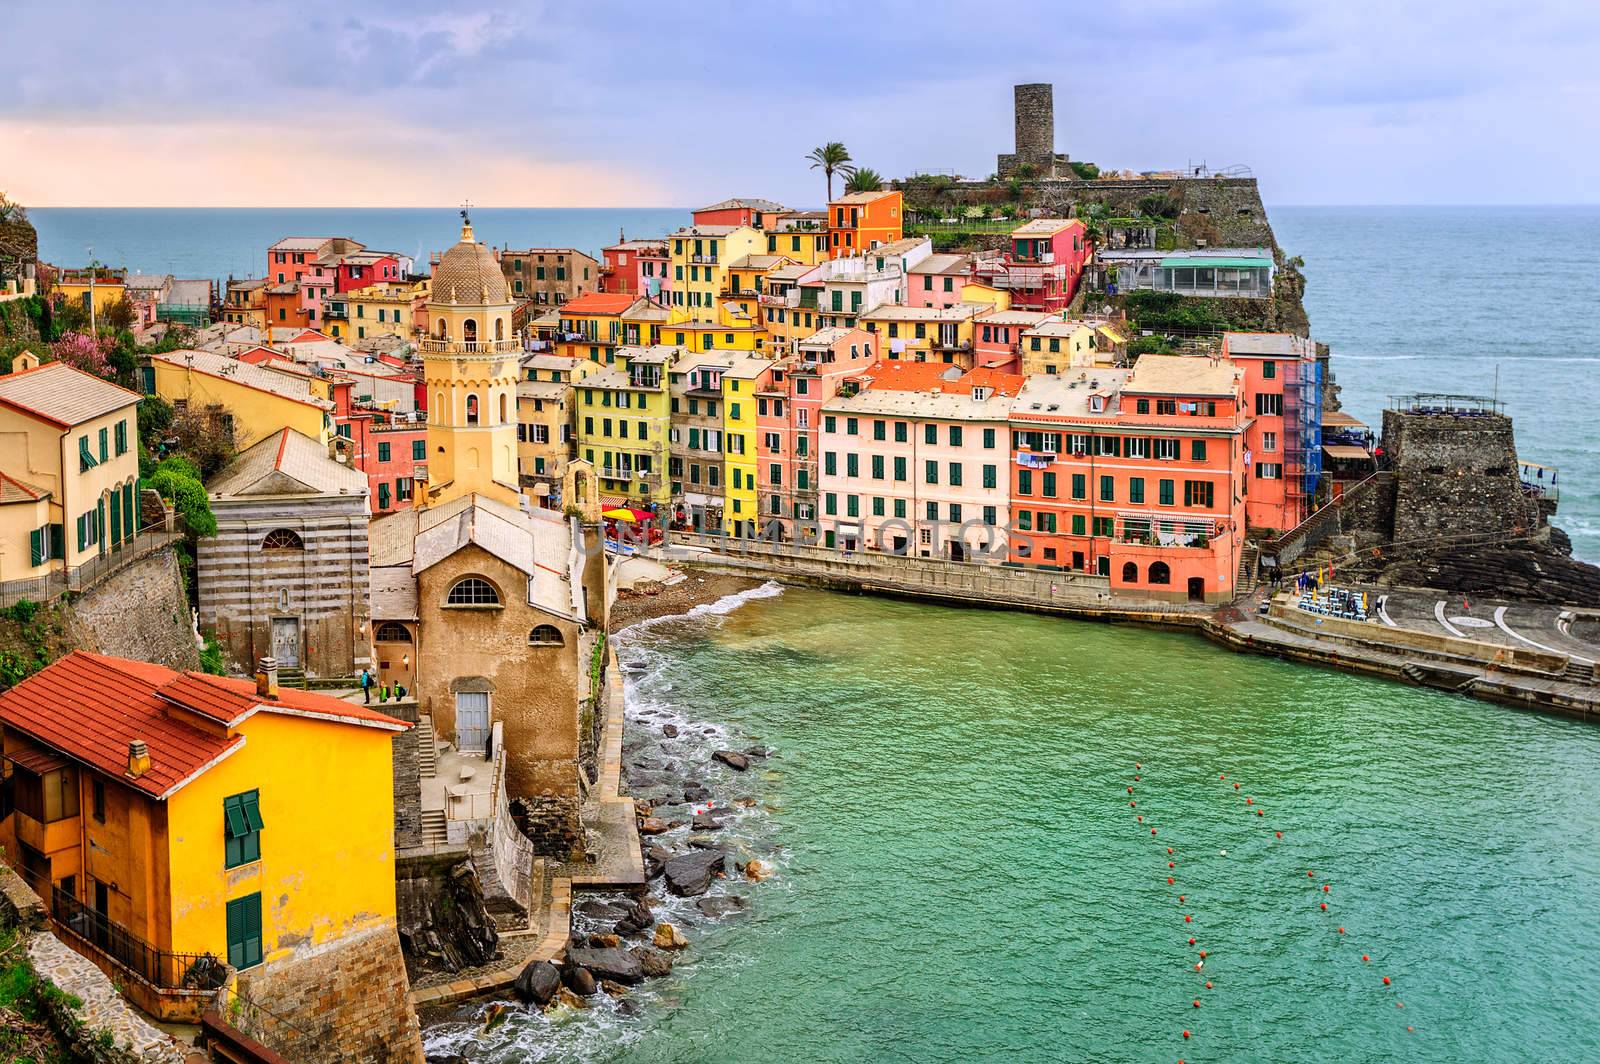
704	260
789	299
473	347
952	344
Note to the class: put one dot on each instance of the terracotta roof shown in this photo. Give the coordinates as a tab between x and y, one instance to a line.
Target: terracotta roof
864	197
61	395
89	707
738	202
468	273
14	490
598	303
287	463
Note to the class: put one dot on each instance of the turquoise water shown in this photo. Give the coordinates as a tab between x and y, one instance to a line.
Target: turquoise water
961	876
1410	298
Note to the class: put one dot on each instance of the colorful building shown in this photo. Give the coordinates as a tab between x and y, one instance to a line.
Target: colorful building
747	282
545	427
799	235
998	342
596	324
860	221
755	213
549	277
926	334
71	469
701	255
246	401
1057	345
706	336
789	420
914	461
244	303
179	822
1138	475
390	308
102	287
1042	267
1283	443
741	381
937	280
636	267
623	423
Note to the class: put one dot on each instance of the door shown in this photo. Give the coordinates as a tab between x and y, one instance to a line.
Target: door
1197	589
472	722
286	641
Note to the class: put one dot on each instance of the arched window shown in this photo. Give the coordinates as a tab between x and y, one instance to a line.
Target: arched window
441	334
505	409
545	635
472	591
472	409
1160	573
499	328
1130	572
469	330
283	539
390	632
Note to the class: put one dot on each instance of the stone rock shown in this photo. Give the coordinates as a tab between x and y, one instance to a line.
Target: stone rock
655	858
669	730
704	842
695	792
494	1016
669	937
756	871
628	1007
758	751
612	989
655	964
690	874
707	822
570	1000
600	910
652	825
615	964
628	927
537	983
721	906
601	941
580	980
744	801
640	913
733	759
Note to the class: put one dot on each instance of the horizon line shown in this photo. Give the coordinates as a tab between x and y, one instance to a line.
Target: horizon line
655	207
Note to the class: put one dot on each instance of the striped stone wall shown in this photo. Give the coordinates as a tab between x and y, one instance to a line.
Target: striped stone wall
323	588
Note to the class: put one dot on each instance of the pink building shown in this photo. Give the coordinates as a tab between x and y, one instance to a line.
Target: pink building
914	461
362	268
756	213
936	281
1283	442
788	421
1043	265
997	342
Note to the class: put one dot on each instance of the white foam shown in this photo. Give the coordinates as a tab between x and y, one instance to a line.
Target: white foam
720	608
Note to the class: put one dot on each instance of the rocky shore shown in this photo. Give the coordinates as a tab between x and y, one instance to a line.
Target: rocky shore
648	600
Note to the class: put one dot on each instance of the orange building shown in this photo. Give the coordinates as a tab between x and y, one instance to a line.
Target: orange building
860	221
1138	475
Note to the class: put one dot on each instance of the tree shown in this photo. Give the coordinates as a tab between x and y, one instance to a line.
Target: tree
865	179
205	438
120	316
81	351
179	483
832	158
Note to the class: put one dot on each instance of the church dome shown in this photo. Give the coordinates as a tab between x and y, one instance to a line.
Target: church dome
469	274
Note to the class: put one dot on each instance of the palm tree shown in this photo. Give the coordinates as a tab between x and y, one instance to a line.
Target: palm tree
865	179
832	158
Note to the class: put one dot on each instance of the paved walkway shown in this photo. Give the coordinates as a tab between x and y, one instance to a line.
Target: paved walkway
103	1009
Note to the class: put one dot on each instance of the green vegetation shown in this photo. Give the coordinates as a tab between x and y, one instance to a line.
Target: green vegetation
1084	171
26	1002
865	179
30	638
1150	345
1169	310
211	658
178	481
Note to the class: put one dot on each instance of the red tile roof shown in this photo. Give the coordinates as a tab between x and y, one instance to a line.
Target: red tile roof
90	707
598	303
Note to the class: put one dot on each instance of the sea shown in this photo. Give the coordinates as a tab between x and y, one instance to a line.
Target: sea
1002	837
1502	302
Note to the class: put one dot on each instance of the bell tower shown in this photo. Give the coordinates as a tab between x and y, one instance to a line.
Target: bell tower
470	364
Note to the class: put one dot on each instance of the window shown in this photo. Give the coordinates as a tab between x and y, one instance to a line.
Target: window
472	591
545	635
899	468
931	471
991	477
988	439
244	931
1077	525
283	539
86	459
1269	470
383	452
419	450
1269	404
899	432
1160	573
391	632
1108	488
1080	486
955	435
1130	572
955	474
472	409
1164	490
1269	370
1136	489
241	824
930	434
1166	450
1197	450
1269	442
122	437
877	467
1197	493
1024	482
1104	526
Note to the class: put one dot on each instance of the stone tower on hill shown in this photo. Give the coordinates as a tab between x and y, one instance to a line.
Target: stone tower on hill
1036	136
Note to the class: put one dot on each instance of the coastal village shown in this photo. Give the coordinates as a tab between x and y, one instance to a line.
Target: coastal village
312	717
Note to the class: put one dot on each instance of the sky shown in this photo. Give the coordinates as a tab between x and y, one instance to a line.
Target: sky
602	103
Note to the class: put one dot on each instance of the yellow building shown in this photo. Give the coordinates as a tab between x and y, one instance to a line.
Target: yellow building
385	309
623	420
1056	346
927	334
747	282
701	255
469	367
102	285
595	324
245	303
703	336
70	446
178	821
251	402
800	237
546	433
743	378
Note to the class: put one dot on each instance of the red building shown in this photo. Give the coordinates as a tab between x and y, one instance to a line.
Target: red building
1043	266
362	268
384	447
756	213
635	267
1283	443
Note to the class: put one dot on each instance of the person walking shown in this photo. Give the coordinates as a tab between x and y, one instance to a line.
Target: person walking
366	685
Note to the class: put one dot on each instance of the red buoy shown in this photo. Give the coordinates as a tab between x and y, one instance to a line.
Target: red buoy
1249	801
1386	980
1171	865
1141	819
1136	779
1235	786
1196	1002
1310	875
1222	776
1191	942
1208	984
1365	957
1324	906
1280	834
1408	1028
1341	930
1137	765
1180	897
1169	881
1188	919
1132	802
1325	888
1169	849
1186	1034
1260	813
1152	831
1202	954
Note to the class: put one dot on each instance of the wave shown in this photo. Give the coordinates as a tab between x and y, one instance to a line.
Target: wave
720	608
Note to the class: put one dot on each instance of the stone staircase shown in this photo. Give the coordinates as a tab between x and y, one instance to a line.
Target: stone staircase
1579	672
1245	581
433	828
292	678
427	749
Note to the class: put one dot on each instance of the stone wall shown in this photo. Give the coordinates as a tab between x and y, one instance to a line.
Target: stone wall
551	823
348	1000
407	776
141	612
443	922
1456	477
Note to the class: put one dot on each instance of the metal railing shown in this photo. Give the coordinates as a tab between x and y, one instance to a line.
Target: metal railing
80	578
160	968
480	347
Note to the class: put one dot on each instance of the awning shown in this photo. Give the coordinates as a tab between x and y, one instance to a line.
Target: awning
1221	261
37	762
1340	419
1111	334
1345	450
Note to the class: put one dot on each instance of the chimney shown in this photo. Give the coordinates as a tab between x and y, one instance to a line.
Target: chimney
138	758
267	678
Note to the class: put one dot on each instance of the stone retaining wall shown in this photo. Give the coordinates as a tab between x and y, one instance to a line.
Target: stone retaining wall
141	612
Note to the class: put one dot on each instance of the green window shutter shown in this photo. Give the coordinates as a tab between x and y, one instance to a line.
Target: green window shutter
1077	524
116	522
991	477
383	452
58	541
36	546
233	816
105	446
251	801
86	460
130	525
83	534
419	450
122	437
383	495
244	931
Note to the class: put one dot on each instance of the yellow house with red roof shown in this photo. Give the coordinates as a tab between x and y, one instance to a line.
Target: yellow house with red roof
178	822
